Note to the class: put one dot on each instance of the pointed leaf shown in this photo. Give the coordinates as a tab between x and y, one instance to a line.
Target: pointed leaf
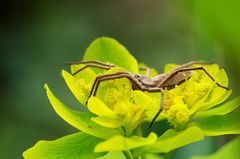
202	106
75	146
119	155
169	67
97	107
153	156
218	93
150	101
228	151
106	49
215	95
172	139
220	110
120	143
107	122
113	155
220	124
78	87
80	120
87	74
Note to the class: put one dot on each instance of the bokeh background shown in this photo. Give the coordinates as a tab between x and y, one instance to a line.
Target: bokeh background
37	38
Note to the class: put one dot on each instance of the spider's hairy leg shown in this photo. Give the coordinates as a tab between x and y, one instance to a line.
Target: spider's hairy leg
91	63
121	75
193	63
147	69
161	103
112	76
94	84
172	74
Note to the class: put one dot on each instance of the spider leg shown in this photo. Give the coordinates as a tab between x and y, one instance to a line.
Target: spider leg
116	75
90	61
92	65
193	63
147	70
190	69
133	81
161	104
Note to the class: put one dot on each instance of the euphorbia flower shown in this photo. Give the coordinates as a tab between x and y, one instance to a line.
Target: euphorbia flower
115	115
198	94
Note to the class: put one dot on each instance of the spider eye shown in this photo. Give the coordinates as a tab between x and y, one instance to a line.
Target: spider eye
136	76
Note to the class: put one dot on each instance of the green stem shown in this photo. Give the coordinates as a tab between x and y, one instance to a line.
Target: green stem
168	155
139	130
140	133
128	154
128	132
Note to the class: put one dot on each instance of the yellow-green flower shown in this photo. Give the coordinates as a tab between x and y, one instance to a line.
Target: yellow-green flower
114	117
195	95
114	104
181	104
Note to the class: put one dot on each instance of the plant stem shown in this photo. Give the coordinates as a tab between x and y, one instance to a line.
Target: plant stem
140	133
139	130
128	132
168	155
128	154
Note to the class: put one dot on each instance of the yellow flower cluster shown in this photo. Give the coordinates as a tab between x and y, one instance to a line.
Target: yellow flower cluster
128	108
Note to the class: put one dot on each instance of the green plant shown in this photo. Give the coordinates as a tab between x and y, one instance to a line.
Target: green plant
112	126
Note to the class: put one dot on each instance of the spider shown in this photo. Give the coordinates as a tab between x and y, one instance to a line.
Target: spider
158	83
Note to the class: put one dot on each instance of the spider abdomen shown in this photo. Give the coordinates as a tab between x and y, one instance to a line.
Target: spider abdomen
177	79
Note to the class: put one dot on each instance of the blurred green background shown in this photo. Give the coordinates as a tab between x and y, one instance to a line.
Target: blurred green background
37	38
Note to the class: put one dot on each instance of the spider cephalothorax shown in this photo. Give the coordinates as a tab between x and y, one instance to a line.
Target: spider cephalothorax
145	81
158	83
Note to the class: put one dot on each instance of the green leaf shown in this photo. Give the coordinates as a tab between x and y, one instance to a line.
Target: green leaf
153	156
79	88
75	146
107	122
202	106
120	143
228	151
113	155
220	110
169	67
173	139
111	91
87	74
97	107
220	124
148	100
217	94
80	120
108	50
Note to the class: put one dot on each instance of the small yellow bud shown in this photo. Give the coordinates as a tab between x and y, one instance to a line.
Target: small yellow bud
178	115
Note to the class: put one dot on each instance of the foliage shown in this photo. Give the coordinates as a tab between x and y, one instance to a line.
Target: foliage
228	151
112	125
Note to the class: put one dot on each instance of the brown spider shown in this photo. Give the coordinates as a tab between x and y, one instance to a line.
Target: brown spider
158	83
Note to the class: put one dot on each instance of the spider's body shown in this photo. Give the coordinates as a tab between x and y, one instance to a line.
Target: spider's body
158	83
155	82
145	81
